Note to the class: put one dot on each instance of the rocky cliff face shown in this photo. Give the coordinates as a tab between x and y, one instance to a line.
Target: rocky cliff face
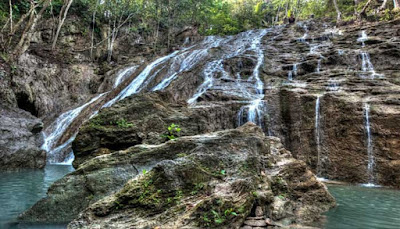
212	180
275	77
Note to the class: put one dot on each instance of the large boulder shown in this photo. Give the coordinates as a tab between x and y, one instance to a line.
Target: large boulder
205	180
210	180
20	140
144	118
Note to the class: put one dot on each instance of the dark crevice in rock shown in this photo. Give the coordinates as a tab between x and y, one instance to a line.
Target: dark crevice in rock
26	104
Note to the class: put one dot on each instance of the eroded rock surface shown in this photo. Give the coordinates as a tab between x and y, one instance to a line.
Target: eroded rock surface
211	180
144	119
20	136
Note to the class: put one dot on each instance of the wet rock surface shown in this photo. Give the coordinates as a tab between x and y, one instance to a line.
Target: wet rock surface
144	119
20	135
212	180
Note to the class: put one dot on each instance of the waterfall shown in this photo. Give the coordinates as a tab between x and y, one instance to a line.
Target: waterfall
174	64
185	63
363	38
366	65
135	86
370	151
122	75
209	71
319	66
318	134
185	60
293	72
304	37
58	128
257	107
333	85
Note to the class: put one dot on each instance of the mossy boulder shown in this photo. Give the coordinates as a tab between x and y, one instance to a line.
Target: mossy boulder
213	181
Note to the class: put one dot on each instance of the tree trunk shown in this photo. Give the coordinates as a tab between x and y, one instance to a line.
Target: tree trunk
362	13
93	24
63	16
27	34
339	14
383	6
355	8
11	16
277	14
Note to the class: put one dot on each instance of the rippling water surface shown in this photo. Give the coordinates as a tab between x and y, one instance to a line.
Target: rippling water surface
19	190
362	207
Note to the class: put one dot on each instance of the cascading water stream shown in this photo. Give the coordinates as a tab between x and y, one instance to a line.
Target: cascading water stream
124	74
293	72
319	66
187	60
370	150
135	86
318	134
366	66
176	63
246	42
363	38
57	129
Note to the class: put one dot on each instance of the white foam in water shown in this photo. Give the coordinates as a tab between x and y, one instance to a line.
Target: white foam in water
185	63
366	66
322	179
363	38
293	72
333	85
370	185
60	125
209	71
318	133
136	84
125	73
319	66
370	150
68	160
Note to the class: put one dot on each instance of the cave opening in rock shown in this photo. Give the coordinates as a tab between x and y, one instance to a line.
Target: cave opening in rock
25	104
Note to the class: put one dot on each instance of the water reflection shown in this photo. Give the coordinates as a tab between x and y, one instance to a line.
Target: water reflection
361	207
19	190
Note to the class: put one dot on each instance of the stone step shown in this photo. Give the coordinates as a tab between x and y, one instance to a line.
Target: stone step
255	223
255	218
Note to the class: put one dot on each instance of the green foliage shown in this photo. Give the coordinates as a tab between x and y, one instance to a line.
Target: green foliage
173	130
217	217
123	123
198	187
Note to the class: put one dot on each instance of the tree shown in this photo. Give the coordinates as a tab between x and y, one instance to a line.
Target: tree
61	20
339	14
30	26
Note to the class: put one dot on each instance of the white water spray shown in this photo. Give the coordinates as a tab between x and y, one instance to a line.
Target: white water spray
122	75
318	134
58	128
370	151
135	86
292	73
319	66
